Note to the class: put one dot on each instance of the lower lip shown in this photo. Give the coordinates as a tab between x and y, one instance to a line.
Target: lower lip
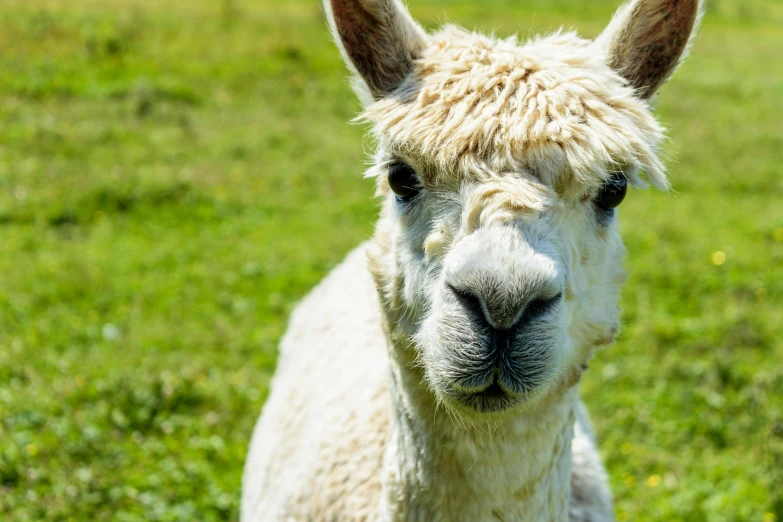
492	400
494	391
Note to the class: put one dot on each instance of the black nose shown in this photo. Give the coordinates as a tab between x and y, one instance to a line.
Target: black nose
497	317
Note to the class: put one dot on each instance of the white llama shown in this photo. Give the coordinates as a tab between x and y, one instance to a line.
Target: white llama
443	385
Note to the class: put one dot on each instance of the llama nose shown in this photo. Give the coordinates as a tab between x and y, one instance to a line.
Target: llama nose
500	312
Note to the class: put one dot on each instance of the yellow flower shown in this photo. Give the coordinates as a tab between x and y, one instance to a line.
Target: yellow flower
768	517
718	258
653	481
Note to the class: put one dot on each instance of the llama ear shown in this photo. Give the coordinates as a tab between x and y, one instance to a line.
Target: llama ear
647	40
378	39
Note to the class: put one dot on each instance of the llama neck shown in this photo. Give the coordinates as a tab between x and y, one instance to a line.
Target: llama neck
435	470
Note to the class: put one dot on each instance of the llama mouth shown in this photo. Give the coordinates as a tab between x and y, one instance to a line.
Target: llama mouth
494	398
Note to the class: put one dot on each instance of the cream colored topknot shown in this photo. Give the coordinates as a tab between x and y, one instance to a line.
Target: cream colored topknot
480	107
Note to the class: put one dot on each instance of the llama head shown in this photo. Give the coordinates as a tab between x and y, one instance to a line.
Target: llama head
501	164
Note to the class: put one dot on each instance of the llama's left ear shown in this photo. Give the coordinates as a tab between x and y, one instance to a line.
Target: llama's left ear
378	39
647	40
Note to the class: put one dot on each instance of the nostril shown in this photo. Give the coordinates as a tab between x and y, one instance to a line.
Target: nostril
498	319
539	307
470	301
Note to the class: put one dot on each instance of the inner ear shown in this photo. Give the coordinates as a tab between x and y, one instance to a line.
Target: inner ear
647	39
378	39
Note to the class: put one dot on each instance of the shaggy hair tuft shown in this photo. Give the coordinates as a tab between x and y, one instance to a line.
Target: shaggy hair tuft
481	107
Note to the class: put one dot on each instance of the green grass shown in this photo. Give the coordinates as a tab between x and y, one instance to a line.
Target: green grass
174	176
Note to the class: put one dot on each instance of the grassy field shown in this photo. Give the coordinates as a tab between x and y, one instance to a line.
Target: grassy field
174	176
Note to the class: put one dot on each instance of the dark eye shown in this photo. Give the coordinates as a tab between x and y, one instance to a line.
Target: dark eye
403	180
612	193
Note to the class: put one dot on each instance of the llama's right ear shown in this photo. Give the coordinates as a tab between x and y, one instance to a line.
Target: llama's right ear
378	39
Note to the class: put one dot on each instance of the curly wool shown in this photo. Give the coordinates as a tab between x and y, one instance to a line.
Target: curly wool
479	107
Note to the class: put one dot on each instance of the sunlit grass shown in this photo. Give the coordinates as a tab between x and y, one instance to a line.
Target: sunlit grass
174	176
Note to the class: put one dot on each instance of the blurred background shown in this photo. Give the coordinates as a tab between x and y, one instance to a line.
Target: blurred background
175	175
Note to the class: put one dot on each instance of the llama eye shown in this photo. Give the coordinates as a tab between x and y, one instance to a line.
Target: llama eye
612	193
403	181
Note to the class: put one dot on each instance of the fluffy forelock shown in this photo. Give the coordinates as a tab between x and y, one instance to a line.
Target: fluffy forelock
480	107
